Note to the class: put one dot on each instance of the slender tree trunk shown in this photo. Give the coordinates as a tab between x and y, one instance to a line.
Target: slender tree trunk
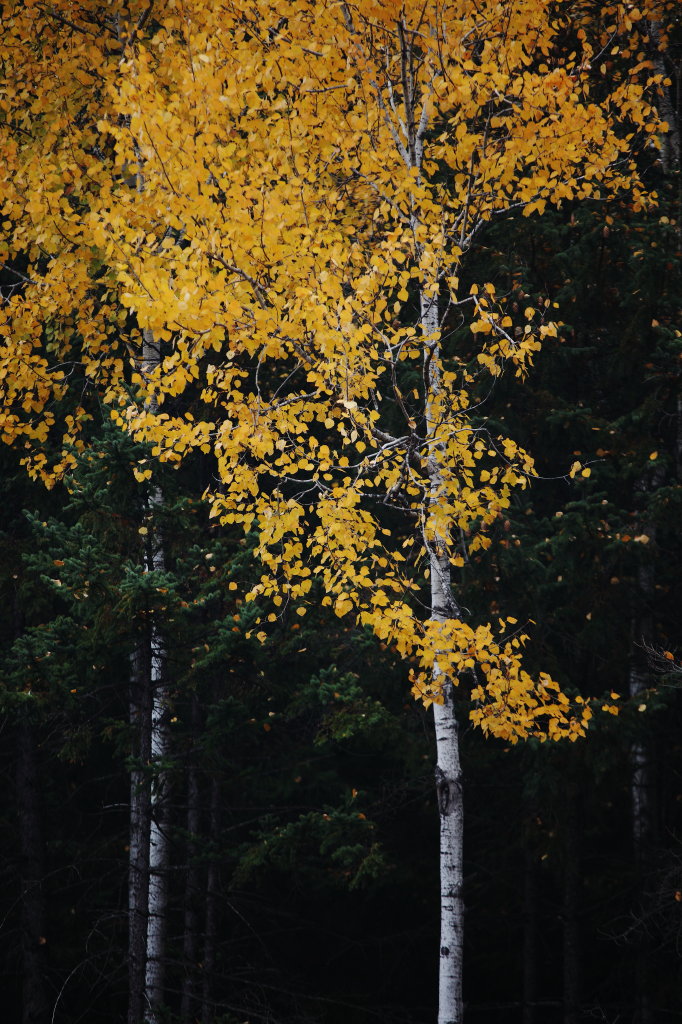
448	769
641	780
642	627
149	807
642	821
159	847
159	844
641	835
140	822
35	1006
149	842
640	773
670	141
211	918
641	754
190	941
530	933
443	605
450	809
150	797
571	910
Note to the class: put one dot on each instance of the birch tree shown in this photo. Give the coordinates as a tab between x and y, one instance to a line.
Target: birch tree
153	715
329	168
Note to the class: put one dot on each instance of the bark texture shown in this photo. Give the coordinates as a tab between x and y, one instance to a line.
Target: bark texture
450	809
641	782
190	938
642	755
140	821
530	933
159	843
159	848
571	909
670	140
211	918
35	1003
448	769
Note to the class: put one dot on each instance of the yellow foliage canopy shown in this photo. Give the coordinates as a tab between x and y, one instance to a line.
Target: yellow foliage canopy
283	193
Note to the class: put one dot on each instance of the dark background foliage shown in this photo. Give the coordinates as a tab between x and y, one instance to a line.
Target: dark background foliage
304	834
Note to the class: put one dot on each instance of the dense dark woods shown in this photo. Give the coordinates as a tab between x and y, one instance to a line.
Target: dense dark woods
293	794
301	885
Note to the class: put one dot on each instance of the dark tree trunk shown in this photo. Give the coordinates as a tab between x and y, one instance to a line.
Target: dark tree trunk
530	933
190	942
35	1003
642	765
211	917
571	910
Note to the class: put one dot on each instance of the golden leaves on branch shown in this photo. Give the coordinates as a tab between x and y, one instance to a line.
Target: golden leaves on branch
285	194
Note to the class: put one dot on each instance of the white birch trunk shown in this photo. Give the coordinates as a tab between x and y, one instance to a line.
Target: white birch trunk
138	855
448	769
443	605
670	140
159	847
158	838
450	809
149	806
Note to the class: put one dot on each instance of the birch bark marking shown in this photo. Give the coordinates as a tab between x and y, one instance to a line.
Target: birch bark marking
443	605
159	847
139	824
450	809
448	768
670	141
149	805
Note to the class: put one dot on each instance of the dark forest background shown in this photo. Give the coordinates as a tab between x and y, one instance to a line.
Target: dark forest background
303	883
